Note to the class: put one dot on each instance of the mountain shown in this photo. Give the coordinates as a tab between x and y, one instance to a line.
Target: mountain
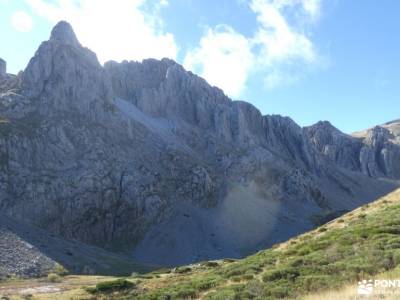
149	160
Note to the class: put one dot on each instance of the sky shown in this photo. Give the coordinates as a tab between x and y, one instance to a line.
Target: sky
311	60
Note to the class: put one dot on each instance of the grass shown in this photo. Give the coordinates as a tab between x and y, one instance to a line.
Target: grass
348	249
325	262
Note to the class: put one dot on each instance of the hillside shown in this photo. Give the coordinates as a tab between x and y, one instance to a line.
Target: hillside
362	244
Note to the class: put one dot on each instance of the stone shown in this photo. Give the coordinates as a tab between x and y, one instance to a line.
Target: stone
3	68
63	33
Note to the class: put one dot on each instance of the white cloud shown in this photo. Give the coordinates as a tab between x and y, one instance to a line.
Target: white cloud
224	58
285	50
115	30
280	51
21	21
279	42
312	7
164	2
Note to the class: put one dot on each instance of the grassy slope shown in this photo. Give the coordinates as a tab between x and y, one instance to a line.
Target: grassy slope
361	244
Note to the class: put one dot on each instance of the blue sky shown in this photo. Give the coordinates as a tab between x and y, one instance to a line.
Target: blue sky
335	60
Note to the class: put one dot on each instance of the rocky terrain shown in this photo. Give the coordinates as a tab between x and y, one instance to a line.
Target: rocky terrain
27	251
149	160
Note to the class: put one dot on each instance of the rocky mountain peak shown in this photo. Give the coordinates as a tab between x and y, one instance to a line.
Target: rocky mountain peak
66	76
64	33
323	125
393	122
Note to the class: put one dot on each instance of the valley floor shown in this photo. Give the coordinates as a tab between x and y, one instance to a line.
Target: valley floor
70	287
326	263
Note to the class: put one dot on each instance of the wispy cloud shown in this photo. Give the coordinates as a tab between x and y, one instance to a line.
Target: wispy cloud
115	30
223	57
280	49
280	42
21	21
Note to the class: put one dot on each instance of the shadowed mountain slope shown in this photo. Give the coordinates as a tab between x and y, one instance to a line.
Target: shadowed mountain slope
27	251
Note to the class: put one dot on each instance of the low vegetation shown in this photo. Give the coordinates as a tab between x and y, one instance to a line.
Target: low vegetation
356	246
52	277
362	244
60	270
117	285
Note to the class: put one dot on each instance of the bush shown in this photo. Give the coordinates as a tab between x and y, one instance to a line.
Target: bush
111	286
60	270
186	293
205	284
52	277
229	260
183	270
135	274
283	273
279	292
210	264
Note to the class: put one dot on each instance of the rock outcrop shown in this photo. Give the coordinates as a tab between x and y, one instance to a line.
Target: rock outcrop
148	159
3	68
374	152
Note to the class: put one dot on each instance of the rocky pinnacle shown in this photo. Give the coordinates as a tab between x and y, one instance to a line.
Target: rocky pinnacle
3	67
64	33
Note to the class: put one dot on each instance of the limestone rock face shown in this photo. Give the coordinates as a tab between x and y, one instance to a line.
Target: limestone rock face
64	76
150	159
374	152
338	147
64	34
380	155
3	68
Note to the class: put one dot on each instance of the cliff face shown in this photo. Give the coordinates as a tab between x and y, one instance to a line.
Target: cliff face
150	159
374	152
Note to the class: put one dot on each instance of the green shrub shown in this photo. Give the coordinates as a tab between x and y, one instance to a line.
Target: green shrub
210	264
205	283
52	277
182	270
279	292
314	283
60	270
287	273
111	286
186	293
237	278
